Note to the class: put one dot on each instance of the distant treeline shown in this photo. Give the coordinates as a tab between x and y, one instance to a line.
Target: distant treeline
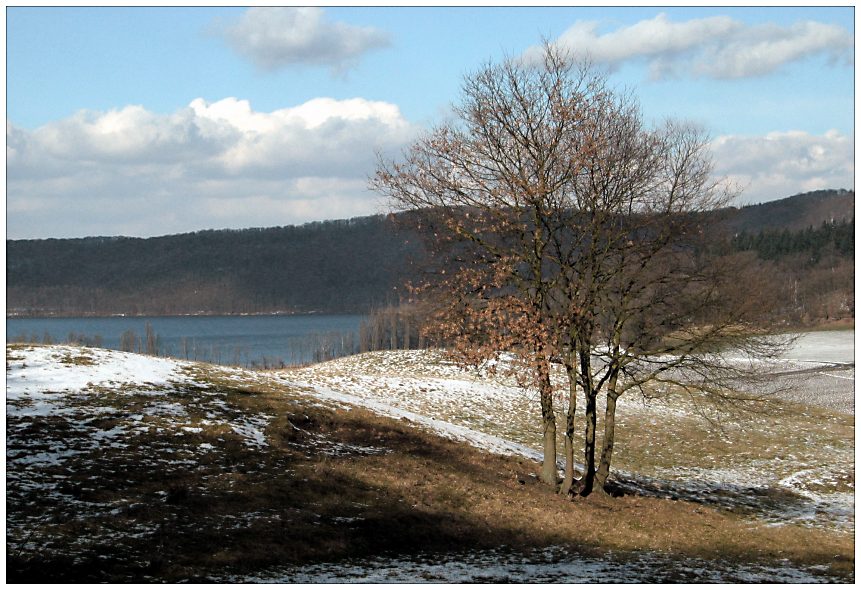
813	269
836	238
362	264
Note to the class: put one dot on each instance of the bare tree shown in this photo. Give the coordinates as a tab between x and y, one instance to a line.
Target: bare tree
643	296
566	228
493	184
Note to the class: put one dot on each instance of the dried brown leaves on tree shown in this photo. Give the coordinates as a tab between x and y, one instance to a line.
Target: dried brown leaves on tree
564	229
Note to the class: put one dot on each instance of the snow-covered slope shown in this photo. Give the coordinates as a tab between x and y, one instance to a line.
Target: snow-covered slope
777	474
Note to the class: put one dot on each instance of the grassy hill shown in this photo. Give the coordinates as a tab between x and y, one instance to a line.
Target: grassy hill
124	468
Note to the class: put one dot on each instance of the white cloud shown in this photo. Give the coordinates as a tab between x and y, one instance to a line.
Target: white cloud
276	37
207	165
781	164
715	47
222	164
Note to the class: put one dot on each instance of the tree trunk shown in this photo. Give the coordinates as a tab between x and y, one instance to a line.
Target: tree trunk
587	481
609	437
610	414
549	473
568	481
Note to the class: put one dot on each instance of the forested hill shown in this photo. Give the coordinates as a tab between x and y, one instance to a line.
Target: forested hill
333	266
797	212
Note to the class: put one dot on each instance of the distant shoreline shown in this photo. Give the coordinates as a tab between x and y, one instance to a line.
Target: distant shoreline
41	316
823	325
828	325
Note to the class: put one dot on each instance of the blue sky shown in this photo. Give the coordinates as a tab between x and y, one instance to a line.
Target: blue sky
147	121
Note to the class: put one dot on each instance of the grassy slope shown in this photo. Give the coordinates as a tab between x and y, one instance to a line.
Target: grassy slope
182	493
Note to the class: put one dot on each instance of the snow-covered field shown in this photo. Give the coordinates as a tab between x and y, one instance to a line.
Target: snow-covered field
836	346
792	464
68	406
73	383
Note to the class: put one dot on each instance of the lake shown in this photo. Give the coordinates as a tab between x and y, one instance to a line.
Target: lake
251	341
272	341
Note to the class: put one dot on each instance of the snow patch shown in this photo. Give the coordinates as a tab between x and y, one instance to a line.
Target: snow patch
551	565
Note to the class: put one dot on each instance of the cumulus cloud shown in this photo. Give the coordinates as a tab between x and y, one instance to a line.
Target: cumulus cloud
715	47
212	164
273	38
781	164
223	164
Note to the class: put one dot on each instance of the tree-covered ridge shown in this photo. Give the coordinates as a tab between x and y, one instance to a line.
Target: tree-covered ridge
796	212
337	266
351	265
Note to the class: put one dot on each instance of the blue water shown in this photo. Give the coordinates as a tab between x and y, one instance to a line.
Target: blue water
251	341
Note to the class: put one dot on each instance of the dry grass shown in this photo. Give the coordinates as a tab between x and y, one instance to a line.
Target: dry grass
841	324
79	359
502	495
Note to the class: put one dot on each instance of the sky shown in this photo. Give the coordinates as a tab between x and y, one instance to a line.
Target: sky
151	121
